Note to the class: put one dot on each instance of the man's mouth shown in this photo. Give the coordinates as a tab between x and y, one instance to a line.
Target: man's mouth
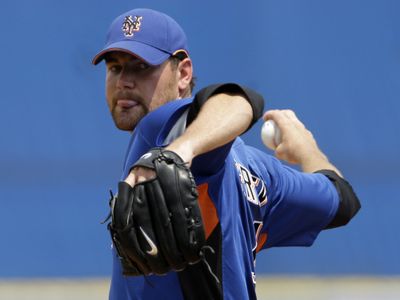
126	103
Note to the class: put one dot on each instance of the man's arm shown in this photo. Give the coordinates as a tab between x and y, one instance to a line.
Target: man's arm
222	117
220	120
298	146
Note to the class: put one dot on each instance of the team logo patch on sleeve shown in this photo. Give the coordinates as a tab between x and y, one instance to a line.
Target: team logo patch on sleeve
261	190
253	186
131	24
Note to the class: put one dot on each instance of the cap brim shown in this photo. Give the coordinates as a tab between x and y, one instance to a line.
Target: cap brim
151	55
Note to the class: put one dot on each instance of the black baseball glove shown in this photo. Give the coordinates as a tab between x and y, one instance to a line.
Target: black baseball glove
157	226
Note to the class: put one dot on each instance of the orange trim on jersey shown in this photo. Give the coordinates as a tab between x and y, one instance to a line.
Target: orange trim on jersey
208	210
261	241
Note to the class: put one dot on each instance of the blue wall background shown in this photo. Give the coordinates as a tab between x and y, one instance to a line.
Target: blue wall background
336	63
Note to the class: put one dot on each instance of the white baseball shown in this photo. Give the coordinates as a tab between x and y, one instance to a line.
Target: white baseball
271	134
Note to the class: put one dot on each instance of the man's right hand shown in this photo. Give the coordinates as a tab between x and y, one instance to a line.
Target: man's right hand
298	145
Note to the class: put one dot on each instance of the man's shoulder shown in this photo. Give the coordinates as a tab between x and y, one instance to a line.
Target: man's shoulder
252	155
163	114
155	126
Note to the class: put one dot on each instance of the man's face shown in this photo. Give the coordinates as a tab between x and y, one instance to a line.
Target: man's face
134	88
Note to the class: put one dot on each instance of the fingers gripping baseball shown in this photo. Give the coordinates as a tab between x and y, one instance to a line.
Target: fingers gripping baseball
296	142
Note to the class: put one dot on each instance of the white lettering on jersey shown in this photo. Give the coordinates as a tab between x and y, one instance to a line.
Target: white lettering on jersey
253	275
248	184
262	190
254	188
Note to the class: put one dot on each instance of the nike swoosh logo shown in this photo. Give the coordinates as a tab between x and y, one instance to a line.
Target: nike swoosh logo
154	250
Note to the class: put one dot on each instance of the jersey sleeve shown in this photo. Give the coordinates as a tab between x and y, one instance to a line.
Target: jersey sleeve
209	163
255	100
299	204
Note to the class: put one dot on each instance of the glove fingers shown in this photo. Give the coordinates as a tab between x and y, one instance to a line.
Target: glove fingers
128	250
147	238
122	233
122	206
163	226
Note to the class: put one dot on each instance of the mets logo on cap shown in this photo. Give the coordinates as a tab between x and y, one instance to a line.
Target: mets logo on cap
131	24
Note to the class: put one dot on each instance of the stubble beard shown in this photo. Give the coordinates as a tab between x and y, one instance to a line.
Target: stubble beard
127	119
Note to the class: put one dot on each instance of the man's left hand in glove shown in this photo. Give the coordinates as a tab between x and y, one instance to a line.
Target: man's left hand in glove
156	225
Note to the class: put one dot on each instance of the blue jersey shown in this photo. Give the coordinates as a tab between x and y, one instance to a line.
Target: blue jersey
249	201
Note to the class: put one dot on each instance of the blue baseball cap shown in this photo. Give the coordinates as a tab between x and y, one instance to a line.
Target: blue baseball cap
150	35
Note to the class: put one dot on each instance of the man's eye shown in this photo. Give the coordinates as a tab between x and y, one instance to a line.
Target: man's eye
114	68
142	66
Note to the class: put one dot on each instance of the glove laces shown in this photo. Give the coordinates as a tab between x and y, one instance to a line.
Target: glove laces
112	198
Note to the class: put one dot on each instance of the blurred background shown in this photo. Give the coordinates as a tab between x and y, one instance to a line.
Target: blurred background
335	63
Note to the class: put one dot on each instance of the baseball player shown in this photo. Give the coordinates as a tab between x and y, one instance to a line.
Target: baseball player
249	200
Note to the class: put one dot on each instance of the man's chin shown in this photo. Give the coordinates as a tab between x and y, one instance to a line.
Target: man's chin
126	122
126	125
124	128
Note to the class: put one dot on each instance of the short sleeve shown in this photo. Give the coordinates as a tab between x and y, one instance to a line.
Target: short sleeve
256	100
298	205
301	205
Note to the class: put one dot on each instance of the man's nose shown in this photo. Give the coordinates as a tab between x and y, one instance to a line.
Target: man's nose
126	79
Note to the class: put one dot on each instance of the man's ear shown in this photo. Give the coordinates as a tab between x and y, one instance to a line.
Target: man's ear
185	73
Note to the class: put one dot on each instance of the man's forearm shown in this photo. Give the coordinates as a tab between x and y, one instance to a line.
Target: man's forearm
221	119
317	161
